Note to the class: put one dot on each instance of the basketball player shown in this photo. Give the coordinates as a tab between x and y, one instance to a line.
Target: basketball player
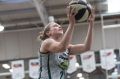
56	48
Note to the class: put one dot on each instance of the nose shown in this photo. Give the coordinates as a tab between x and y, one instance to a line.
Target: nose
60	27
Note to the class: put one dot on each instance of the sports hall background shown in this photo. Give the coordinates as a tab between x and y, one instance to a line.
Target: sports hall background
23	19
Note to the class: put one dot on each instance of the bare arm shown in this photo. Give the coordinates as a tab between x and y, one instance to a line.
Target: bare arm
54	46
78	48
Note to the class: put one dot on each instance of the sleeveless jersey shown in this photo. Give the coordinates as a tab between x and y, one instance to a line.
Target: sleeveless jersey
53	65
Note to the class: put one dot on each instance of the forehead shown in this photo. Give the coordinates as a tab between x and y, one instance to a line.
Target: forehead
53	24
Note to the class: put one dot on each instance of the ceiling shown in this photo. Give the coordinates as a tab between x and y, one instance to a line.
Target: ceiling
24	14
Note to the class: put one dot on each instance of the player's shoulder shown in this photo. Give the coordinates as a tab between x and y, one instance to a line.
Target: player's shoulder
48	41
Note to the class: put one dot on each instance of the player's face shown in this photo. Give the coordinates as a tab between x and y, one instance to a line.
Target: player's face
56	29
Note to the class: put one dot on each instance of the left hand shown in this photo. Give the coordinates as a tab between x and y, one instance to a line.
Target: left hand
92	16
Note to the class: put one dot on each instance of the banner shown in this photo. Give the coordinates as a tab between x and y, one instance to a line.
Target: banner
17	69
107	59
88	61
34	68
72	64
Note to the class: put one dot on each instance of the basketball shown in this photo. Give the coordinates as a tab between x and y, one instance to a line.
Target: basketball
82	10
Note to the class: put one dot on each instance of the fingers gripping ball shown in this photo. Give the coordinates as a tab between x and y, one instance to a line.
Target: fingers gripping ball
82	10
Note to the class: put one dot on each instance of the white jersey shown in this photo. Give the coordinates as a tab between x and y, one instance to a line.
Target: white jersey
53	65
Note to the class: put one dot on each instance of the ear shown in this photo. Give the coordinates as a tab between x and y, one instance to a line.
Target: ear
48	33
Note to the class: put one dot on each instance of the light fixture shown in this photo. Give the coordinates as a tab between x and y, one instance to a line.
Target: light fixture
6	66
1	27
11	70
51	18
68	76
113	6
81	78
79	75
115	56
77	65
111	26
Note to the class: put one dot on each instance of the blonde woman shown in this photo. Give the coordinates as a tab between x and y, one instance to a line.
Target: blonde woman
56	47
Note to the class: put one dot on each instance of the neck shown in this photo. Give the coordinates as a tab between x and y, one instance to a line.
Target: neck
57	38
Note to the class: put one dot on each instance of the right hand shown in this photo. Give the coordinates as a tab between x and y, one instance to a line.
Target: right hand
71	15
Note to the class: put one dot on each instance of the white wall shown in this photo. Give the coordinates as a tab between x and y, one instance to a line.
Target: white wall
80	34
21	44
112	37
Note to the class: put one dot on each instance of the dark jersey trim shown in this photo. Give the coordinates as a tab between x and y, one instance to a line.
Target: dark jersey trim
48	66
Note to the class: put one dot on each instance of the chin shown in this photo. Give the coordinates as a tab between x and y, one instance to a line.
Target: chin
60	34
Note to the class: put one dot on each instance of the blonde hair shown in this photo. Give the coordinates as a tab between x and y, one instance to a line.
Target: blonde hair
43	34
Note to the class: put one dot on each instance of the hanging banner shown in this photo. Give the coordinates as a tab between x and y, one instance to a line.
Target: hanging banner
88	61
107	59
72	64
17	69
34	68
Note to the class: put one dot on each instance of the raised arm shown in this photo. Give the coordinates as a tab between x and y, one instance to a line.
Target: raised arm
79	48
57	46
69	32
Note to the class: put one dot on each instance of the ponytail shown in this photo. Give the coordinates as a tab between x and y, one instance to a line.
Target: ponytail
43	34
